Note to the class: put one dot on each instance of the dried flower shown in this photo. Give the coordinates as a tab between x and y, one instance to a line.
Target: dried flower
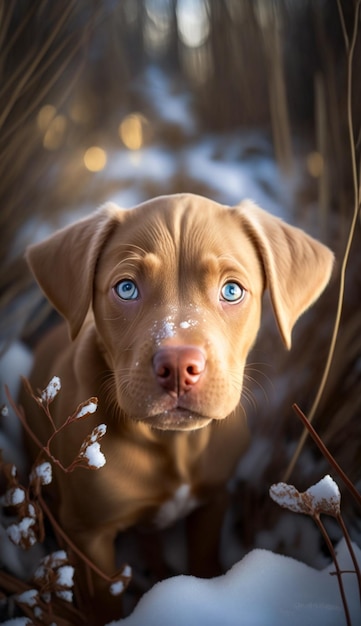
14	496
55	575
323	497
87	408
90	448
23	533
51	390
121	582
29	597
43	471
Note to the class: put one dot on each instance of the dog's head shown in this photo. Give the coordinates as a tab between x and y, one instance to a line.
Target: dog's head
175	287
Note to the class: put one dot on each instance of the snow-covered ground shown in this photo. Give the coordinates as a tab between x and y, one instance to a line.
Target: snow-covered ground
263	589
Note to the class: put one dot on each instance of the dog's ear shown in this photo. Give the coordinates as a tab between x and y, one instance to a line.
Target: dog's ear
64	264
297	267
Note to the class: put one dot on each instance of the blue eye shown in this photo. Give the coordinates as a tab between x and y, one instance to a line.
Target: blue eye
126	290
232	292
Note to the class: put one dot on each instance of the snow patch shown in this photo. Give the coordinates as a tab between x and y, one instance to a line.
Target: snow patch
117	588
22	531
14	497
96	458
29	597
323	497
44	472
87	409
51	390
177	507
263	588
64	576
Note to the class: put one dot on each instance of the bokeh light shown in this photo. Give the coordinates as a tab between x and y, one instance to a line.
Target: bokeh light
131	131
95	159
193	22
55	133
45	117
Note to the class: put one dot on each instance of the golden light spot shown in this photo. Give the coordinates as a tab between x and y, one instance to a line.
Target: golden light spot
45	117
131	131
54	135
314	164
95	159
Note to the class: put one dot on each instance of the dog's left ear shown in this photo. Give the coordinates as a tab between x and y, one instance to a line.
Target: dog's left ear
64	264
297	267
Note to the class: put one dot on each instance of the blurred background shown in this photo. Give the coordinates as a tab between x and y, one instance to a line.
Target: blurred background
127	99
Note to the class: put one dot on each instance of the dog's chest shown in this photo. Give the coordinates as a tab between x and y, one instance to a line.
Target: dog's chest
178	506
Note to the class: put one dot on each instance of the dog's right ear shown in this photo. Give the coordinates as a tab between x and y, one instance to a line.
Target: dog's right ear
64	264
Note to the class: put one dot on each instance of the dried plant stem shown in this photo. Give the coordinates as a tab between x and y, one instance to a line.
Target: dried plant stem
350	47
350	549
44	448
328	541
24	73
21	415
327	454
70	544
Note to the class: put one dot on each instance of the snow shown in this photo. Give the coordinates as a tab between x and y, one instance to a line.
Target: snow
98	432
54	560
52	389
176	507
163	329
87	409
22	531
14	496
95	457
323	497
168	105
151	163
65	595
29	597
263	589
44	472
127	571
325	491
117	588
64	576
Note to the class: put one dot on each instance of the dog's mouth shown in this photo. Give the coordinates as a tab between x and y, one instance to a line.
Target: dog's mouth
177	419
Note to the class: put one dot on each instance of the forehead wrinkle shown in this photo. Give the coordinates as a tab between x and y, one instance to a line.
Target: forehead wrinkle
227	262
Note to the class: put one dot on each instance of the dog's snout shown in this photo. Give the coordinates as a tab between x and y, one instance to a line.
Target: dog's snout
179	368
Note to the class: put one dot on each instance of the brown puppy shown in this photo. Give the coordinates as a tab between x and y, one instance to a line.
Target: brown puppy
163	303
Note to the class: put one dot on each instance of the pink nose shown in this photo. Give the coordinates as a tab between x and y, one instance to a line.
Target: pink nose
178	368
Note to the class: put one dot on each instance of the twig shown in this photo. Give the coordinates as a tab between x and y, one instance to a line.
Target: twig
328	541
327	454
350	50
26	72
72	545
21	415
351	550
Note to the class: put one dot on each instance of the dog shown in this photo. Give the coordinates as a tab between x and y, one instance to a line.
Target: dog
162	304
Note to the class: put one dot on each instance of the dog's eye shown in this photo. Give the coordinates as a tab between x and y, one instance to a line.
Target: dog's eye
232	292
126	290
